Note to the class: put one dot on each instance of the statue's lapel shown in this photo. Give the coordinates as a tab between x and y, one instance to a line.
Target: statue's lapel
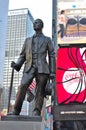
41	41
30	42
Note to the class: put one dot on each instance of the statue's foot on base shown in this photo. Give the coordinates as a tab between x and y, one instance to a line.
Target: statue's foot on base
14	112
36	113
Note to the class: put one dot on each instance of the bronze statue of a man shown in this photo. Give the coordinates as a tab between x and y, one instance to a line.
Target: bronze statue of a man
33	55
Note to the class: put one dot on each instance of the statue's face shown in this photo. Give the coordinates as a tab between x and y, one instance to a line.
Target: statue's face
37	25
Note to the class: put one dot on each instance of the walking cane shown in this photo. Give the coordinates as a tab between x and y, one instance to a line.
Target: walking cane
10	89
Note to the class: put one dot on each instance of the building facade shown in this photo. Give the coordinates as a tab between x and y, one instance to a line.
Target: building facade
3	29
20	26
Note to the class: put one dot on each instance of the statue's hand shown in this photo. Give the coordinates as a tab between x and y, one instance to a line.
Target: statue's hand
52	76
15	66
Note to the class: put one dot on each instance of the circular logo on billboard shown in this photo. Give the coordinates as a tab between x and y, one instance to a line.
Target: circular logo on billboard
73	80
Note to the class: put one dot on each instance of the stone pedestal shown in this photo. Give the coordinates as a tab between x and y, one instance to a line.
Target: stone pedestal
21	123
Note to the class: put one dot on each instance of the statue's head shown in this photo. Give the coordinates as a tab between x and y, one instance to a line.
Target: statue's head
38	24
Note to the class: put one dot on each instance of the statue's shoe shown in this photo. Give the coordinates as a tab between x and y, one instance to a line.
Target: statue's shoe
36	113
14	112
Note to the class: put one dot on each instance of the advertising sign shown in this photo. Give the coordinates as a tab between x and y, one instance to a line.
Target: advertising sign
70	75
71	22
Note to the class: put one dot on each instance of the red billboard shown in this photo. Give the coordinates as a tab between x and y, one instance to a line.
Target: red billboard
70	75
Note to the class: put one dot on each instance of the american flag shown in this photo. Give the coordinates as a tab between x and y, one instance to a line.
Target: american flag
32	85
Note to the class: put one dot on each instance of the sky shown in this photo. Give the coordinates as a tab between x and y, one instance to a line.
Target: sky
43	9
39	9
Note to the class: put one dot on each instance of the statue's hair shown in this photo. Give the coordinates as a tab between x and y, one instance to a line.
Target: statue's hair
41	22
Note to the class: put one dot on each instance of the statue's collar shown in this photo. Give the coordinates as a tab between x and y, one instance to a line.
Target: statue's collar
38	35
